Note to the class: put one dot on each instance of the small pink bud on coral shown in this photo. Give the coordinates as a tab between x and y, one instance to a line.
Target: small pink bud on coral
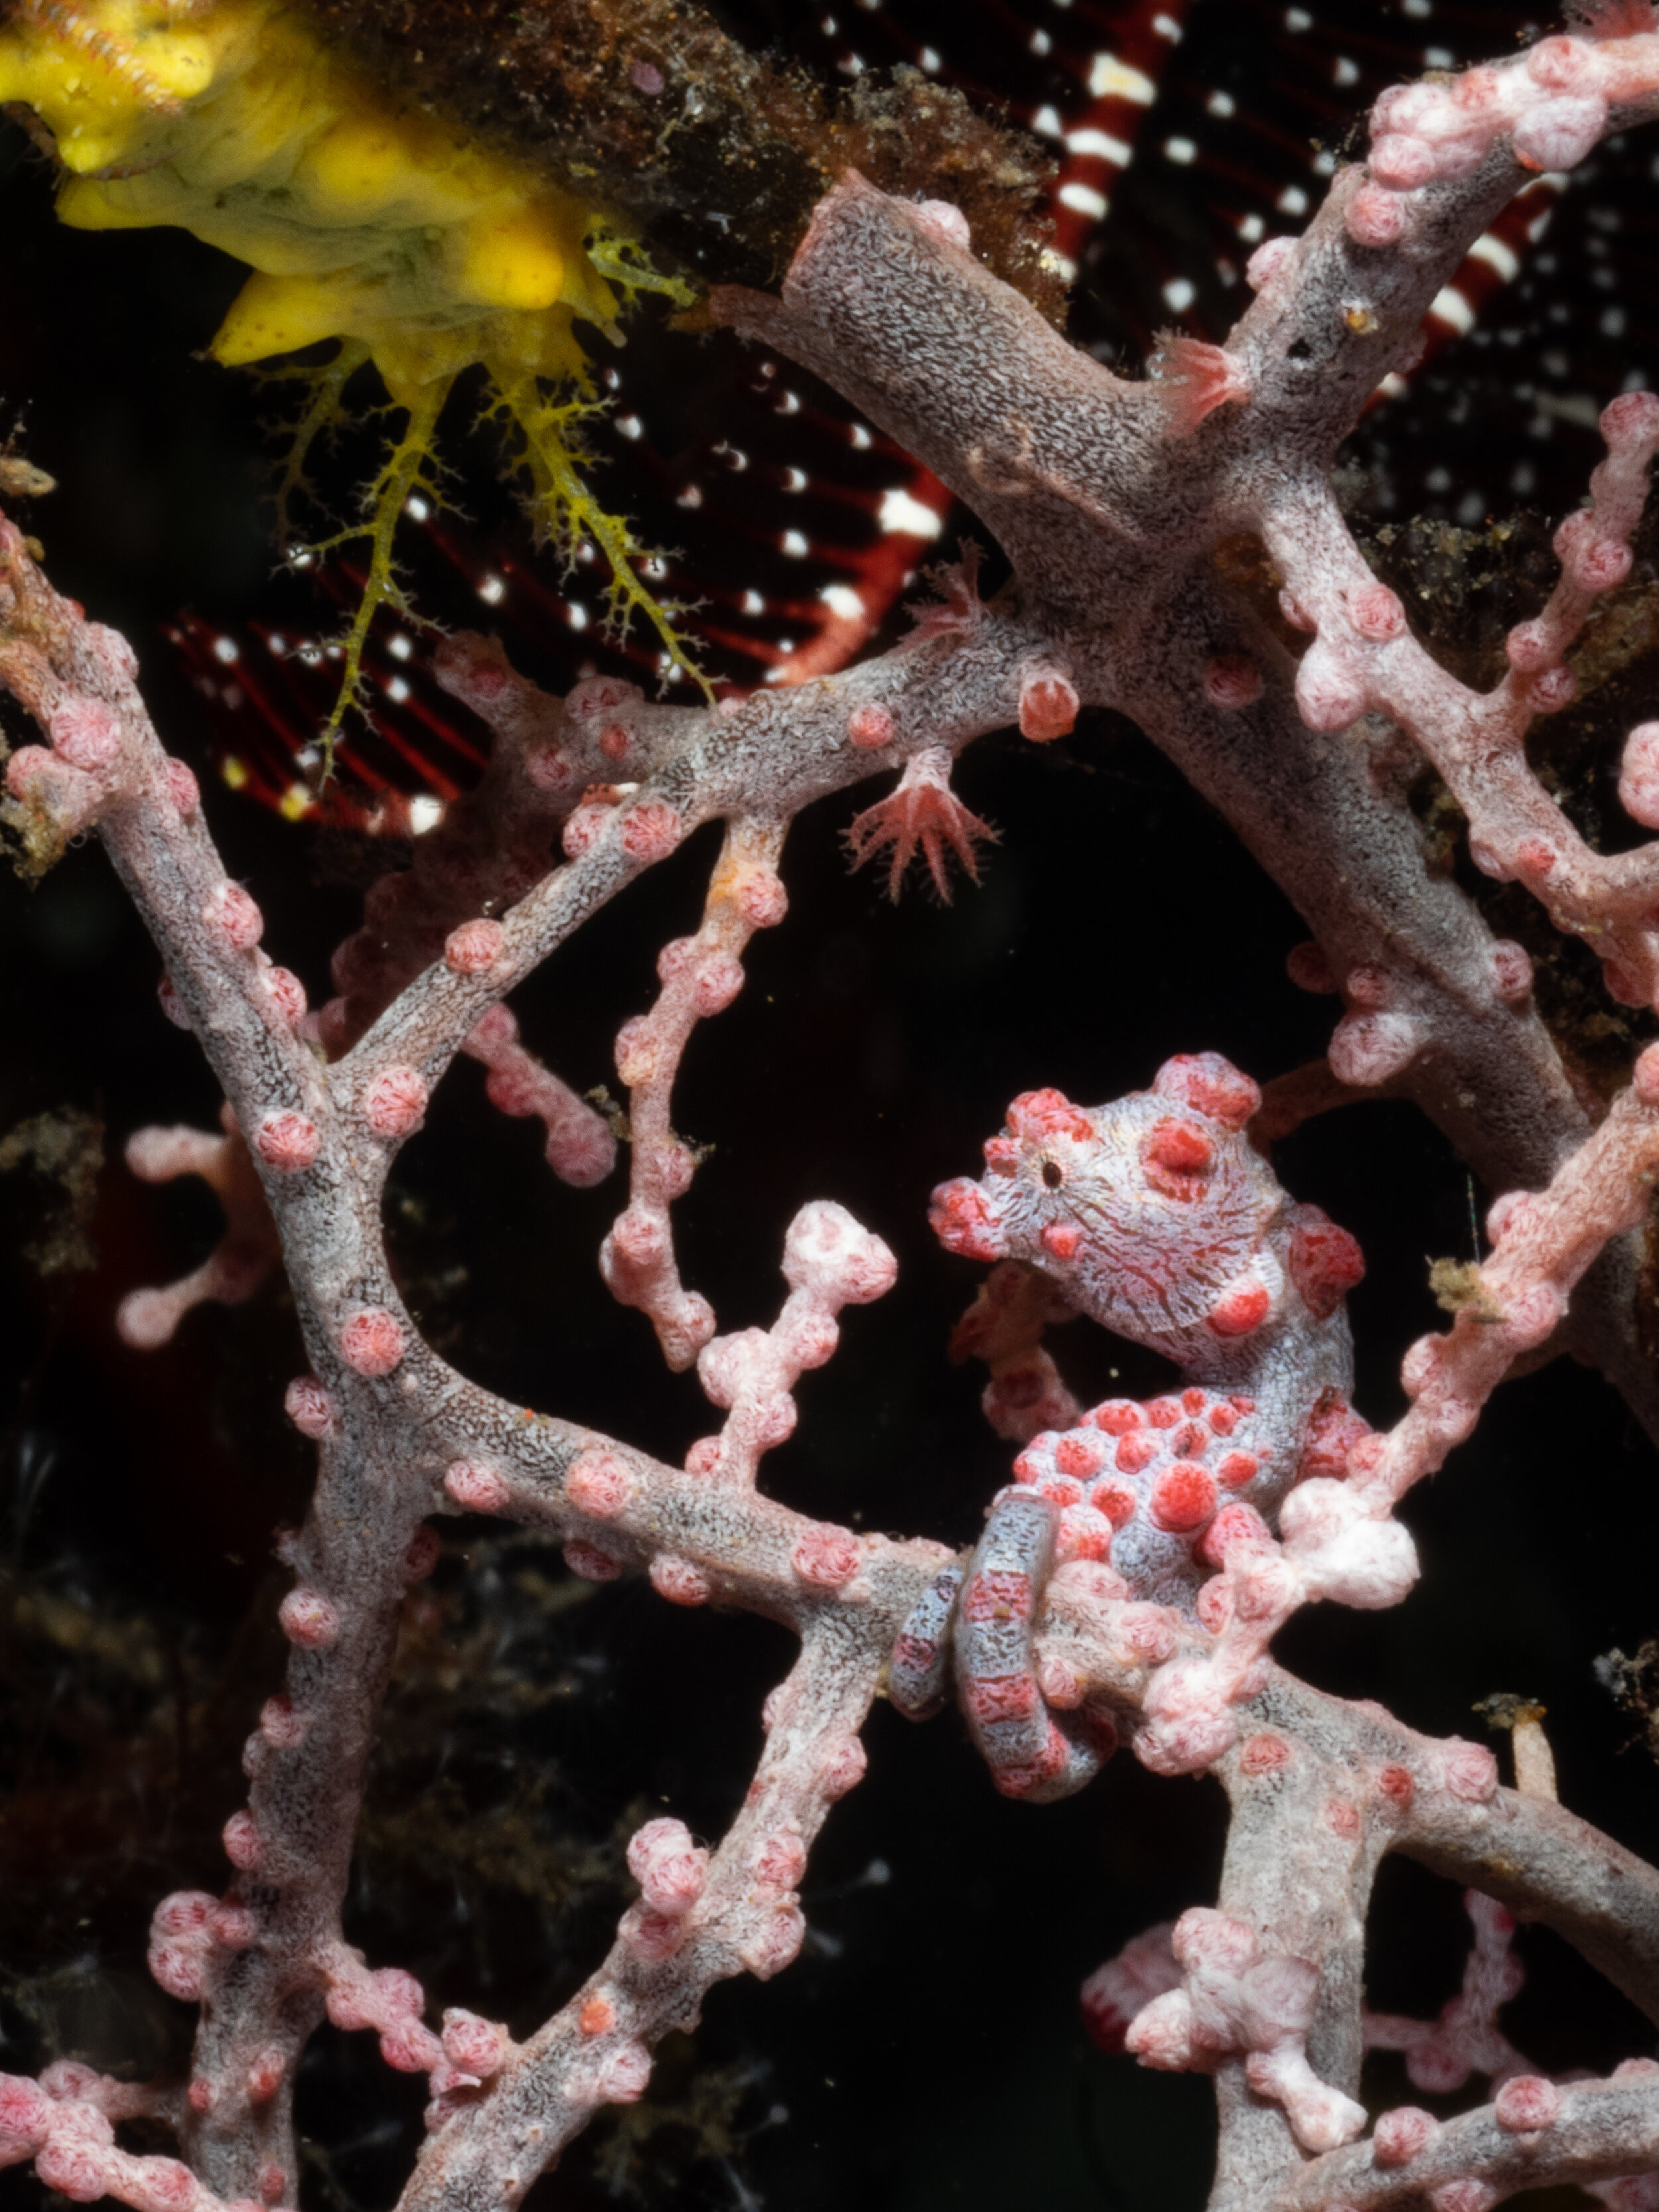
1646	1075
1377	613
371	1341
308	1619
843	1767
1397	1786
1557	134
1399	163
287	1143
1231	681
309	1406
671	1869
26	2113
1549	693
1048	703
1331	691
184	1912
474	2044
25	764
84	732
1308	968
172	1005
232	914
651	1936
272	2182
593	1562
1511	970
650	831
422	1553
475	947
201	2095
720	979
74	2169
678	1580
826	1557
264	2076
1638	775
1400	2135
1376	216
1269	262
241	1841
624	2077
761	898
597	2017
395	1102
599	1484
183	789
1527	2103
871	729
178	1969
281	1726
233	1927
1264	1754
1469	1771
775	1944
289	993
480	1489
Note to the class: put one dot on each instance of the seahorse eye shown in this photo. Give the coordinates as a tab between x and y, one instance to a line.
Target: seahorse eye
1052	1174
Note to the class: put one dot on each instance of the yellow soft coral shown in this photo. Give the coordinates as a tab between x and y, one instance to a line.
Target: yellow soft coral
381	226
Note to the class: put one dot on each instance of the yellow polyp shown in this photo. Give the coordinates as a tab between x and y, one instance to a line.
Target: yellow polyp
384	228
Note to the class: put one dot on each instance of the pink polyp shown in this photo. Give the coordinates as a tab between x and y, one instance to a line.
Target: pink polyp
594	1563
241	1841
827	1557
1231	681
309	1619
1527	2103
650	831
679	1581
871	729
183	789
598	1484
475	947
1558	133
394	1104
1048	703
371	1341
1376	216
233	915
1401	164
309	1406
85	733
1638	775
287	1143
